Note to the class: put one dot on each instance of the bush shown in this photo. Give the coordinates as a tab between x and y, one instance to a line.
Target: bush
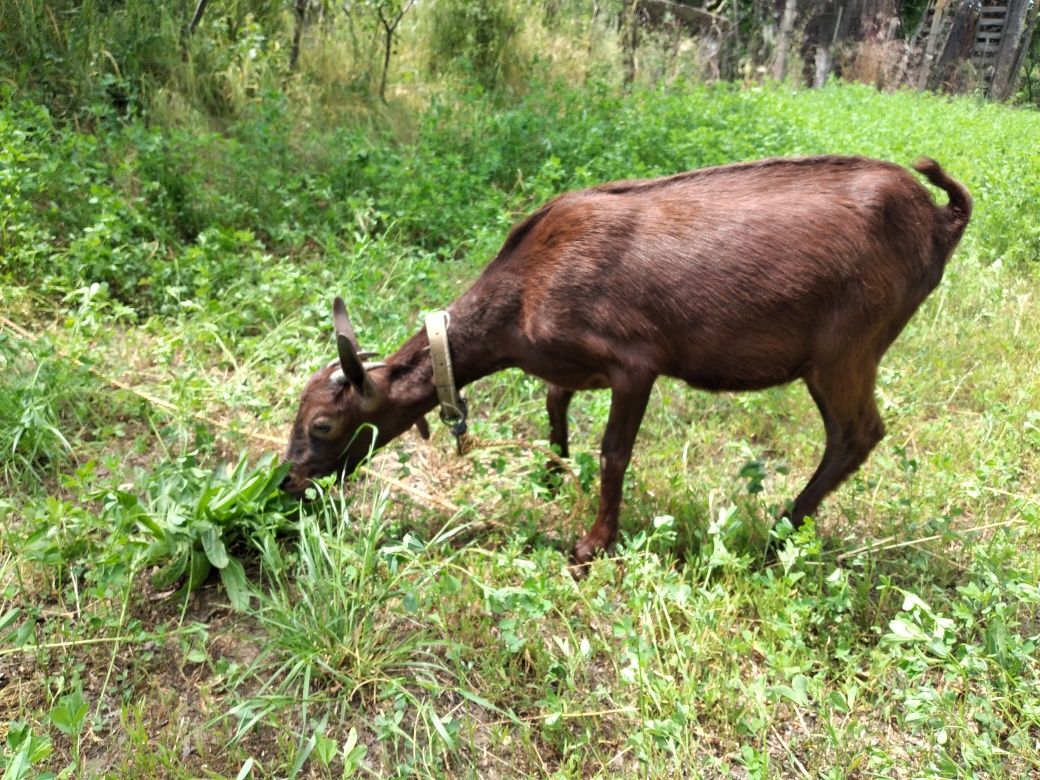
475	38
167	216
95	60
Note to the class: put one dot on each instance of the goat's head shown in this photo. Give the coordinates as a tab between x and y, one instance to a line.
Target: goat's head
345	410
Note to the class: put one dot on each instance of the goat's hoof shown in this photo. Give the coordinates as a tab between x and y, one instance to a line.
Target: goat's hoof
581	557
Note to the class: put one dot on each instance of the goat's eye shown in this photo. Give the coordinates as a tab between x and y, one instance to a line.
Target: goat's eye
321	427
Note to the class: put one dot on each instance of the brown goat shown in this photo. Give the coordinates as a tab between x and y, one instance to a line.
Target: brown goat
739	277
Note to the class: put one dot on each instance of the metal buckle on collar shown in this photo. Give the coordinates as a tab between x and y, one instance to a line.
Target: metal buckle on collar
456	423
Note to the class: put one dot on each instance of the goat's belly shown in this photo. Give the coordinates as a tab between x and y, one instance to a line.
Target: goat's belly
737	370
597	380
717	383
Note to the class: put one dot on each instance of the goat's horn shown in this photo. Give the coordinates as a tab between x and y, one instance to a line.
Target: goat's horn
346	345
341	322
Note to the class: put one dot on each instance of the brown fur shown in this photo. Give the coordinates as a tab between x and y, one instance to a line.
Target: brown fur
731	278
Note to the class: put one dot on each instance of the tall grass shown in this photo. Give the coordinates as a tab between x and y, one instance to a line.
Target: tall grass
43	406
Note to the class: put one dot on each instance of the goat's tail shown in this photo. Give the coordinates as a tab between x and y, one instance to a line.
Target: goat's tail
958	211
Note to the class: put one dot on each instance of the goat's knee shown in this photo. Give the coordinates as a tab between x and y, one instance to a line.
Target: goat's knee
870	434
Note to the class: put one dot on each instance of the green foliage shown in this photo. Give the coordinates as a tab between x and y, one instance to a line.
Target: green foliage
174	218
476	38
189	517
43	402
98	61
180	523
23	751
339	602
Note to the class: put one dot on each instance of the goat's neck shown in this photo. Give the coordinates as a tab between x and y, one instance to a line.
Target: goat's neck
479	347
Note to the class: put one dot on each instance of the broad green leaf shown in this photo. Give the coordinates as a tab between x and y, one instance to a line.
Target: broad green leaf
837	701
353	754
19	766
200	568
234	578
247	767
171	571
214	546
325	749
8	618
905	631
61	719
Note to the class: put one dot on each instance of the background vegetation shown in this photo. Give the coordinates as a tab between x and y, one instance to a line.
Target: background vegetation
171	230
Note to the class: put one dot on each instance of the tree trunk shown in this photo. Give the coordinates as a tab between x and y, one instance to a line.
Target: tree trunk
630	40
1023	51
783	46
300	9
825	31
956	49
1020	20
823	65
736	28
875	17
188	29
200	9
388	40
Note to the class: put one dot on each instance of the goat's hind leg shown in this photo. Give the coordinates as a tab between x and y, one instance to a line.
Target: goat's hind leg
845	397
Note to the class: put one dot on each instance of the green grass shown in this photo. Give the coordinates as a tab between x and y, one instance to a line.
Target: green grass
163	612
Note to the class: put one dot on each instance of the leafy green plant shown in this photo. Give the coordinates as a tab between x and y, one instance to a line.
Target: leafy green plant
69	716
189	516
24	751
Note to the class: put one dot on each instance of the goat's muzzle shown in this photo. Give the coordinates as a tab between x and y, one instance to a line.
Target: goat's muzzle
295	484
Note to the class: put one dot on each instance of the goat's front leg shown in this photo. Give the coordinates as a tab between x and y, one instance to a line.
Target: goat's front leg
627	404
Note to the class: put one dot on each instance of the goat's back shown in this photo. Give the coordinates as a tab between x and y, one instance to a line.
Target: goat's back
733	277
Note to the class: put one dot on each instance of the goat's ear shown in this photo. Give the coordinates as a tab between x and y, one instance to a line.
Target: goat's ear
346	345
423	427
350	362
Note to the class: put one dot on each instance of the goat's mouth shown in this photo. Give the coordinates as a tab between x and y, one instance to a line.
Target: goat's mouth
296	482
